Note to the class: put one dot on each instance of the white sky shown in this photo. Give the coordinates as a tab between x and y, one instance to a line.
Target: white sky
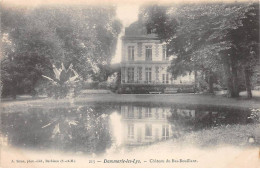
127	13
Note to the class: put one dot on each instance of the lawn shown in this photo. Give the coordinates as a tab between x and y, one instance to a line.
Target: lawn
185	99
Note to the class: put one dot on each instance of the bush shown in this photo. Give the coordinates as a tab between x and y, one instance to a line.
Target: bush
217	87
90	85
103	85
146	88
203	85
100	85
57	91
186	90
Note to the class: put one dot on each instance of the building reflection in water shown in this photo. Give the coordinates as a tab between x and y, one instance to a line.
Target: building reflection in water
95	129
145	125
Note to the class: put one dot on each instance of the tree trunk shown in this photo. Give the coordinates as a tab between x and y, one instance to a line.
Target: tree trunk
195	81
235	91
13	93
228	78
248	83
211	82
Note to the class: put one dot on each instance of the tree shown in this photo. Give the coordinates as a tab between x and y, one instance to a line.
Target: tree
245	41
201	40
42	36
31	45
25	54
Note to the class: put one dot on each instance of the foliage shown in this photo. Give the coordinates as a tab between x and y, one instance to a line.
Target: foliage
90	85
202	36
65	80
35	38
104	71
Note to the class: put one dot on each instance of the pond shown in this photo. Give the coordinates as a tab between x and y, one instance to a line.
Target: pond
99	127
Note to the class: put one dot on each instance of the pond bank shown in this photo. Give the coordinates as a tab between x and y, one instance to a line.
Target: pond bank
184	99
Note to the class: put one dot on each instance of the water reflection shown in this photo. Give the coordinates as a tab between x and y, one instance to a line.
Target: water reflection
82	129
116	128
100	128
144	125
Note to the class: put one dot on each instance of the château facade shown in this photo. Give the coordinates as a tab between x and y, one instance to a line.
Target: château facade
145	59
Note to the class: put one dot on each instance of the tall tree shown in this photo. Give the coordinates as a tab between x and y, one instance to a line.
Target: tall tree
42	36
201	39
245	45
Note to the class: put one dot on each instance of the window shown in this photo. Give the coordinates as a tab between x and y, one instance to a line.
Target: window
123	110
167	78
156	113
123	75
139	73
156	137
148	75
130	75
165	131
163	78
148	131
148	53
163	113
131	53
139	135
150	30
139	49
157	73
130	113
148	112
258	78
139	112
130	131
164	53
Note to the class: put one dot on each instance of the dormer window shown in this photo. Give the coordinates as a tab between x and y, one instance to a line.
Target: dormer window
150	30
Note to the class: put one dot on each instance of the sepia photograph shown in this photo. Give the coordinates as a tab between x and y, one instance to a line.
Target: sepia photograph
129	84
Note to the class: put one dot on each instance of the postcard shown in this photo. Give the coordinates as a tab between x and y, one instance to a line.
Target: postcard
130	84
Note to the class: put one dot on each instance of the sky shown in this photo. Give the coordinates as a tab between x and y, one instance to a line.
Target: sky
127	13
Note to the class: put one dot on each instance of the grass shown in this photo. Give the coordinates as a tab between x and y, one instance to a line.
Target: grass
236	135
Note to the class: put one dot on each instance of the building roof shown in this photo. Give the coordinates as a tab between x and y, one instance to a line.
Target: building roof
138	31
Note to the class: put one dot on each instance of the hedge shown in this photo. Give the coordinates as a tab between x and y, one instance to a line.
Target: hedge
146	88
